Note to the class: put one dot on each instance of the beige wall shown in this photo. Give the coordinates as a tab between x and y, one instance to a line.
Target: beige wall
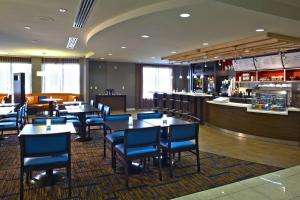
36	80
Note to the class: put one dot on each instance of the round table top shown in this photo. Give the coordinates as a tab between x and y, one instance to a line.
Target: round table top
51	99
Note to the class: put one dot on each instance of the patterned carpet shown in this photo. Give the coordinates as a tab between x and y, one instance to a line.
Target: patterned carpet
93	178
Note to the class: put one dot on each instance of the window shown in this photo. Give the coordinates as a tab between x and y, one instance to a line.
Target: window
6	76
156	79
61	78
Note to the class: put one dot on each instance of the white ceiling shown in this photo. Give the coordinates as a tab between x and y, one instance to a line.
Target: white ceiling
115	23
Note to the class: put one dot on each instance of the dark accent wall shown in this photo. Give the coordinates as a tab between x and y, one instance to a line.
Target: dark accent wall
180	84
112	75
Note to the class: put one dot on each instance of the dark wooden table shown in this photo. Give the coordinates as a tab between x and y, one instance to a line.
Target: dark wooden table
50	177
144	123
50	101
81	112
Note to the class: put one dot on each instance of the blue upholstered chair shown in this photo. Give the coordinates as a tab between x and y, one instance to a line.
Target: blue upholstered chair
12	123
115	137
44	152
98	121
54	120
149	115
139	144
100	107
181	138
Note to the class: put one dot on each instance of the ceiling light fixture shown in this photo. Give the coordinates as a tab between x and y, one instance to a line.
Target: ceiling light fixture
152	57
195	76
205	44
72	42
260	30
184	15
27	27
63	10
173	52
145	36
110	54
101	58
123	47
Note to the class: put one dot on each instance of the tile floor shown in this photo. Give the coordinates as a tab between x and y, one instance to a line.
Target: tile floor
283	184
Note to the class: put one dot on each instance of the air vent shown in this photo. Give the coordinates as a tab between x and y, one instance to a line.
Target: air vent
83	12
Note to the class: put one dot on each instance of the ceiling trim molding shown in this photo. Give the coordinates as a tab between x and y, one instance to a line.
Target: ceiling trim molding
157	7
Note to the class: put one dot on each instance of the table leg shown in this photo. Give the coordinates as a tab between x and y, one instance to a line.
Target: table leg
50	108
82	130
48	178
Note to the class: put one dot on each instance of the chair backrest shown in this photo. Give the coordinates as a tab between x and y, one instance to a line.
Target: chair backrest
35	145
54	120
149	115
184	132
92	102
100	107
117	117
40	99
141	137
106	111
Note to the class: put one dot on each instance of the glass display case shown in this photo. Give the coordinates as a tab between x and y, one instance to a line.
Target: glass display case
274	101
271	97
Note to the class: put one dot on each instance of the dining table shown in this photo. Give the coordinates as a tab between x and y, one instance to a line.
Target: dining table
81	111
9	104
50	102
163	123
49	177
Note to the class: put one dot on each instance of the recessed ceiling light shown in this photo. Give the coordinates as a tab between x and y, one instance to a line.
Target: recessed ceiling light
173	52
101	58
205	44
63	10
110	54
216	57
152	57
185	15
145	36
27	27
260	30
123	47
247	51
71	42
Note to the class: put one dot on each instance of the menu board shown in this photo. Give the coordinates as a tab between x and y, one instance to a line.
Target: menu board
268	62
292	60
246	64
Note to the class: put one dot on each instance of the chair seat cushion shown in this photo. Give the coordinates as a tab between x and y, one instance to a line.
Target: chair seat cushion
9	119
92	121
75	122
177	145
12	114
135	151
92	116
7	125
45	160
115	137
69	117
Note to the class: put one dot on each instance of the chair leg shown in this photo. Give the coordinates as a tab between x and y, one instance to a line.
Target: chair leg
21	185
104	145
89	130
179	155
171	165
198	159
69	181
113	158
159	167
126	172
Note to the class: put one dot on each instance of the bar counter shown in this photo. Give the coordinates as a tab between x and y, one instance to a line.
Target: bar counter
269	124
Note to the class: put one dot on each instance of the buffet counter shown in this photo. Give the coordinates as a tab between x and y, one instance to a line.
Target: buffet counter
241	118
